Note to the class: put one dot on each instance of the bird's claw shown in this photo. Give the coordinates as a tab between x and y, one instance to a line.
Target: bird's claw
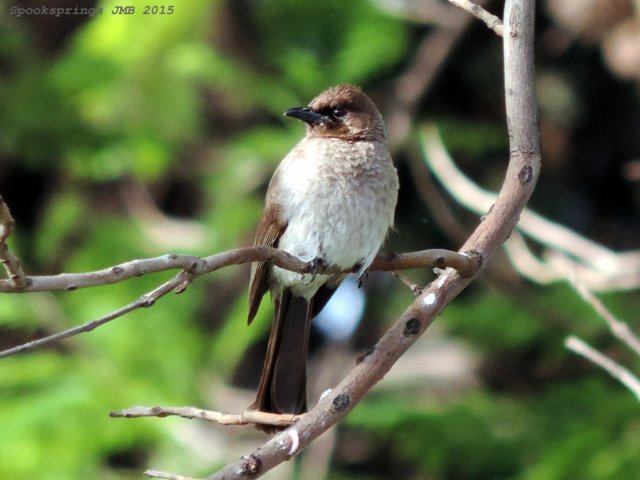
318	265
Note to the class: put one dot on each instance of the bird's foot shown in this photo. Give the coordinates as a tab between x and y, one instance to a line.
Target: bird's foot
318	265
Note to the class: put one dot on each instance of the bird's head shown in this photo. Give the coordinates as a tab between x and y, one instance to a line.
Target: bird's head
344	112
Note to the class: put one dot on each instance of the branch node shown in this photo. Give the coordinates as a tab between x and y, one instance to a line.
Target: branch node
251	465
182	286
412	327
390	256
477	257
525	175
340	403
146	301
158	412
198	266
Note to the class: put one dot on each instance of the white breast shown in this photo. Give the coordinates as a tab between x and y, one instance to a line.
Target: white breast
339	201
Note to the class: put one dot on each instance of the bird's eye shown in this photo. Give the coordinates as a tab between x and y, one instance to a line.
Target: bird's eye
339	112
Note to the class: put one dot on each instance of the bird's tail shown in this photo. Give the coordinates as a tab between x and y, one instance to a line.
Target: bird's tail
283	382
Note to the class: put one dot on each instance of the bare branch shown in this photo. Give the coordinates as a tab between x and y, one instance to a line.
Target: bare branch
466	263
595	265
618	328
492	22
135	268
249	416
617	371
200	266
107	276
177	283
622	274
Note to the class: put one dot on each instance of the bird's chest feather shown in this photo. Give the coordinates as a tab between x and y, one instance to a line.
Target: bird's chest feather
340	201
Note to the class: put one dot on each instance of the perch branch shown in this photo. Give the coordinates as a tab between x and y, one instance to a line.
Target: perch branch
200	266
194	267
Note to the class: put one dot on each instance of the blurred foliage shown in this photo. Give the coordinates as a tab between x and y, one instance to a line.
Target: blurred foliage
128	136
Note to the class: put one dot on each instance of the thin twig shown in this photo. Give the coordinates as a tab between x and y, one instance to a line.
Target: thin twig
249	416
526	263
618	328
144	301
165	475
492	22
414	287
617	371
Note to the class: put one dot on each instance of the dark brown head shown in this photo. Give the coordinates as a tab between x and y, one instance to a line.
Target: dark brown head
343	111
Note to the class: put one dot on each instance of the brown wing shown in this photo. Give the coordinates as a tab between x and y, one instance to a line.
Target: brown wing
270	229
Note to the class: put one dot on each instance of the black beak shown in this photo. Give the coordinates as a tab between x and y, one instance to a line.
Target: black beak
306	115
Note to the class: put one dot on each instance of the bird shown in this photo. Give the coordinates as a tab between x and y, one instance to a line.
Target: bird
331	202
